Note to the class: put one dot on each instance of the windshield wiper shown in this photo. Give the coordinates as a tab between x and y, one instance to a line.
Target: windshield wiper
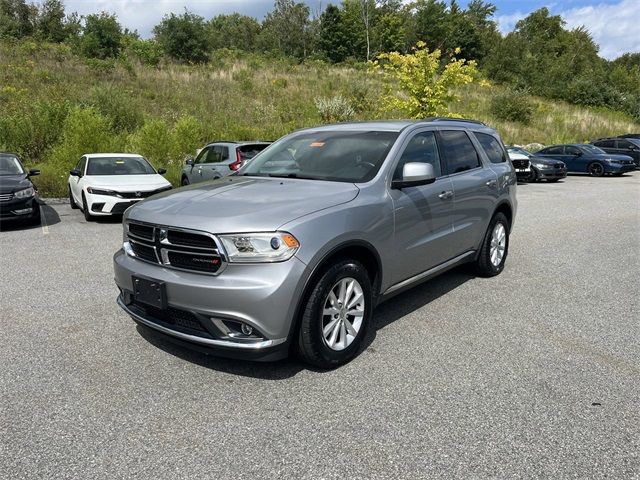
291	175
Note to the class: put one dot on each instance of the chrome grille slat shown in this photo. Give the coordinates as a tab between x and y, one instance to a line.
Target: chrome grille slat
5	197
144	237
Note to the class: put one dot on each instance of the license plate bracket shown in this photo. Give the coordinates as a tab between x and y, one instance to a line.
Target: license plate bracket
150	292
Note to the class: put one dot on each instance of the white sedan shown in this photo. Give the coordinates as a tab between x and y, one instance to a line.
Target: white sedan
109	183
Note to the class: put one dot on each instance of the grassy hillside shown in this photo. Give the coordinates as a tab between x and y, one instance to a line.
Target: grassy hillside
55	106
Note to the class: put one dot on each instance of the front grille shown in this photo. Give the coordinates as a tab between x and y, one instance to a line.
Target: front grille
5	197
178	319
175	248
558	165
139	194
520	163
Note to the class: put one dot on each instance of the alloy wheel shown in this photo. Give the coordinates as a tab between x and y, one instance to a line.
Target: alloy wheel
343	314
498	244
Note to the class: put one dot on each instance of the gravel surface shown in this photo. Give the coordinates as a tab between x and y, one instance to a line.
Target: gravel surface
534	373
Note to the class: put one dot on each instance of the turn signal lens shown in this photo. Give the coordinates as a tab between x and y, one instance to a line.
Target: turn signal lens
290	241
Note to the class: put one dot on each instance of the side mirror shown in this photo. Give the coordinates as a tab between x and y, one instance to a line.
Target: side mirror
189	162
162	171
75	173
414	174
33	172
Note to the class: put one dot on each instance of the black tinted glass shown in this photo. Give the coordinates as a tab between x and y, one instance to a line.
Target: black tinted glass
459	152
492	148
10	165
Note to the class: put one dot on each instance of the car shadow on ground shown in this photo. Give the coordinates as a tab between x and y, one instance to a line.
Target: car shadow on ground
387	313
48	214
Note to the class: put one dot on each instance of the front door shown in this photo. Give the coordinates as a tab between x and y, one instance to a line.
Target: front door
422	214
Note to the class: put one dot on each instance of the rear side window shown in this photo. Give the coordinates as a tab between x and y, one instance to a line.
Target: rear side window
605	144
623	144
492	147
553	150
422	148
251	150
459	153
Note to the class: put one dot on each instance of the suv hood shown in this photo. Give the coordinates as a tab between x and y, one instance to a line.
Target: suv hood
11	183
241	204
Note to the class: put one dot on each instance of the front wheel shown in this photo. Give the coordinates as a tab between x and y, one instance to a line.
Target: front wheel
336	315
85	209
533	176
596	169
184	182
495	247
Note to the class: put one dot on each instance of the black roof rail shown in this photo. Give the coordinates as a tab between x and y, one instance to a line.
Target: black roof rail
453	119
222	141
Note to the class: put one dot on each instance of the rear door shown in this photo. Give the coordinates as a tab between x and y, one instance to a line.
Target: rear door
625	147
422	214
557	153
475	188
574	158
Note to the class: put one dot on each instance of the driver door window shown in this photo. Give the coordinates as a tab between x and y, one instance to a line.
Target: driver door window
572	151
422	148
202	157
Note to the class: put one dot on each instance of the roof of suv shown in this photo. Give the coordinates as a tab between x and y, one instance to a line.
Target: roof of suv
399	125
233	142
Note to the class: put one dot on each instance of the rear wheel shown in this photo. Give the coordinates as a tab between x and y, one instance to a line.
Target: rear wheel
596	169
85	209
72	202
495	247
533	176
336	315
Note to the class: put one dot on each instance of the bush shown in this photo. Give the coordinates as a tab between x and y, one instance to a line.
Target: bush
183	37
335	109
121	109
513	106
153	141
148	52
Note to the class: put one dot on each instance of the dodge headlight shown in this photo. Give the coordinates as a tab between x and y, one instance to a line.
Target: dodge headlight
25	193
259	247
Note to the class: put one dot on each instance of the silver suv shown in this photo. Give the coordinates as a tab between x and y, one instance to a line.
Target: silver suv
294	251
219	159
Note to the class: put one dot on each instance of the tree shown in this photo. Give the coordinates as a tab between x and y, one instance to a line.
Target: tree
428	89
234	31
333	39
17	18
101	36
50	23
286	29
183	37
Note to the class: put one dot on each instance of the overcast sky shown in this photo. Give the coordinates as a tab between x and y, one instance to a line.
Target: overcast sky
612	23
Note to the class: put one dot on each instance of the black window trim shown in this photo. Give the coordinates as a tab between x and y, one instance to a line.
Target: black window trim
405	144
505	152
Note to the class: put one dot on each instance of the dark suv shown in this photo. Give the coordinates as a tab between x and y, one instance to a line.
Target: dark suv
621	146
295	251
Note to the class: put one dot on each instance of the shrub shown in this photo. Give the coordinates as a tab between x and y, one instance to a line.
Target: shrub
183	37
335	109
153	141
121	109
148	52
186	135
513	106
101	37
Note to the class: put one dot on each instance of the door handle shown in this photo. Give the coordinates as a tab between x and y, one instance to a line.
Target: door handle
491	183
445	195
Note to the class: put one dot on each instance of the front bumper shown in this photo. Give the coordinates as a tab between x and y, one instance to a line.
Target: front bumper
19	209
108	204
523	173
263	296
617	168
551	173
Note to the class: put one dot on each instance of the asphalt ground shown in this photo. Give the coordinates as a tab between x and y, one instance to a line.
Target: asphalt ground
534	373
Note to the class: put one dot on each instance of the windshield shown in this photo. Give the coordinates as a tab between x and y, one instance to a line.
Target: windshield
10	165
119	166
592	149
339	156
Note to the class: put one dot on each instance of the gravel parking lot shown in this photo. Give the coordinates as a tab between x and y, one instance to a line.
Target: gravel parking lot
534	373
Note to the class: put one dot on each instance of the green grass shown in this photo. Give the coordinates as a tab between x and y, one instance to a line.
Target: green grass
54	106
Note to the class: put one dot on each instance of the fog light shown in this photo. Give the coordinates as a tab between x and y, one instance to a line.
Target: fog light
23	211
246	329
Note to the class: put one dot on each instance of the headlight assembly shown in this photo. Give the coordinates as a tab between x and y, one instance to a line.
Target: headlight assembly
259	247
98	191
25	193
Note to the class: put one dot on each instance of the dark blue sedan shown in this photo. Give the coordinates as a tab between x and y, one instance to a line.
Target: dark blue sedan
585	158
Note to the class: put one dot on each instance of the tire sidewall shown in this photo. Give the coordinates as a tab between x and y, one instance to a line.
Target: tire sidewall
596	174
343	269
85	209
498	218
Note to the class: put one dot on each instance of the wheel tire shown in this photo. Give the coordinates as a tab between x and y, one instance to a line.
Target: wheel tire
484	266
72	202
533	176
85	209
595	169
184	182
311	345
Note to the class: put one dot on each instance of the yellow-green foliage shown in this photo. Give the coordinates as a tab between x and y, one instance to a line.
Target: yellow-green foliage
427	89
